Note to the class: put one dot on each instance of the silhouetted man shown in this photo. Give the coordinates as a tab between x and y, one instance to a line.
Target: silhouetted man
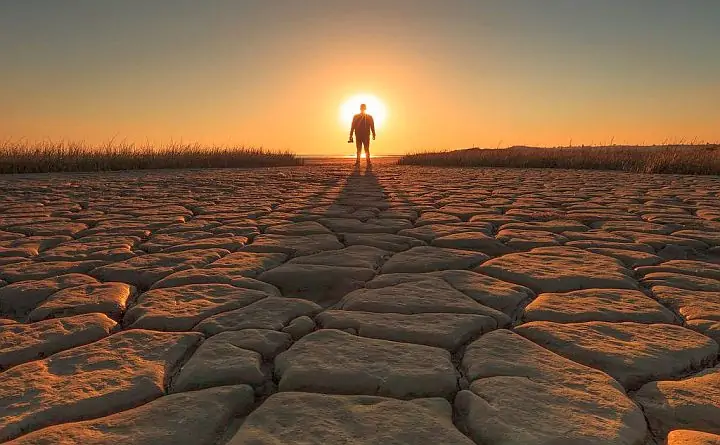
362	125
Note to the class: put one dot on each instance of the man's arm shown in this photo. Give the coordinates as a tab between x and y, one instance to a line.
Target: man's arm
353	125
372	126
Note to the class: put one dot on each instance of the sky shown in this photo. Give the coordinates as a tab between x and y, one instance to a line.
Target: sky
276	73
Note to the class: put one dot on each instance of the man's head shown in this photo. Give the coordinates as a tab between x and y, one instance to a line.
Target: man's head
363	107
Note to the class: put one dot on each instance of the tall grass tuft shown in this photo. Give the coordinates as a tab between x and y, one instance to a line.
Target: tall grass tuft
677	159
43	157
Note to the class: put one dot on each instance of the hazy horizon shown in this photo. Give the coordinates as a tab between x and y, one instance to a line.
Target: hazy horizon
276	74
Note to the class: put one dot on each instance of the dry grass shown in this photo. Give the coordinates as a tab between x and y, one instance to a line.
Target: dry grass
677	159
26	157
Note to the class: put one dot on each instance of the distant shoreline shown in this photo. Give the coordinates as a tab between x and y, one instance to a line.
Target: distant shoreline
350	156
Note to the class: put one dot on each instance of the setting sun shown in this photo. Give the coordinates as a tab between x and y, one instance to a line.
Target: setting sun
375	108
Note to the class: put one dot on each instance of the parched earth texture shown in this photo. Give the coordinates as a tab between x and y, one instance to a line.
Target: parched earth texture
330	305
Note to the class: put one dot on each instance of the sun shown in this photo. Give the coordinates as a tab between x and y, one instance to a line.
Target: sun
375	107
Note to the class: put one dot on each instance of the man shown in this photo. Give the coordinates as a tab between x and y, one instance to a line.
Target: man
362	125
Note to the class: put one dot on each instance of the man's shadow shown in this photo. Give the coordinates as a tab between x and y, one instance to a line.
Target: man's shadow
362	190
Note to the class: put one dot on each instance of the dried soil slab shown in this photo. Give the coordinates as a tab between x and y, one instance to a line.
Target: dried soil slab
597	305
592	244
195	225
350	225
488	291
298	229
119	372
219	361
394	224
180	233
9	236
537	213
691	304
19	298
689	282
692	403
629	258
595	235
687	437
467	211
560	269
181	308
239	229
230	243
269	313
494	220
436	218
157	212
398	213
321	284
633	226
429	232
492	292
144	270
300	327
266	342
447	331
231	276
20	343
708	237
29	270
105	298
16	221
360	420
554	226
50	228
249	264
131	227
431	295
283	219
430	259
529	239
633	353
526	395
685	267
473	241
709	214
103	248
17	252
12	260
163	241
675	220
335	362
138	230
711	328
294	245
384	241
658	241
354	256
192	418
39	243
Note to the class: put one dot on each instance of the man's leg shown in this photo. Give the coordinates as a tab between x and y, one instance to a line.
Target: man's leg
367	149
358	145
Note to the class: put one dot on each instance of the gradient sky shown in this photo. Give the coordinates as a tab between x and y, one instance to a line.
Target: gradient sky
274	73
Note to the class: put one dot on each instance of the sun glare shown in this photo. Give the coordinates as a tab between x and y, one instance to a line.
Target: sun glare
375	108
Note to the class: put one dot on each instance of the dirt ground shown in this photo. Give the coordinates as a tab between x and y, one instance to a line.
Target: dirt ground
328	304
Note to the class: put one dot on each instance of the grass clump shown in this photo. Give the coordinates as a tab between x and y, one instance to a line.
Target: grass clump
675	159
44	157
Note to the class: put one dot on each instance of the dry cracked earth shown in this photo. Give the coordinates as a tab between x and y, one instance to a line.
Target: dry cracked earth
326	305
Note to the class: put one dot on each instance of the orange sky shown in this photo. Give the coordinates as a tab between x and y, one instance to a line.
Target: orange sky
452	74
